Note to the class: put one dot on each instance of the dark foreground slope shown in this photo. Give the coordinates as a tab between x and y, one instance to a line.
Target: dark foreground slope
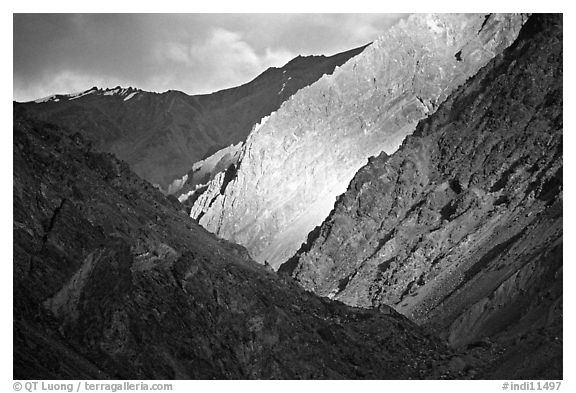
162	135
461	229
113	280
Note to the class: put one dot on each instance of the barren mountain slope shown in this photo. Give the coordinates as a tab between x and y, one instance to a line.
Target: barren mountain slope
299	159
461	228
162	135
113	280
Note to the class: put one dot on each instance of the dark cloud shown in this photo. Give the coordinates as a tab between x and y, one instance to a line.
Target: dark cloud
195	53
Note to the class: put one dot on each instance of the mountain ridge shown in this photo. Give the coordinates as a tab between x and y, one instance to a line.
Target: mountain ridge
161	135
461	228
297	160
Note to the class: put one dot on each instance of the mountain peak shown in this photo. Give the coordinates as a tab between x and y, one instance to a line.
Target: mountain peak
126	92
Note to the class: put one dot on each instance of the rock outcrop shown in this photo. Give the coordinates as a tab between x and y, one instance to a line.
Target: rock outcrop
297	160
114	280
161	136
461	228
204	171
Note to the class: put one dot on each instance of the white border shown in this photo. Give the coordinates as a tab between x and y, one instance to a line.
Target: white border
36	6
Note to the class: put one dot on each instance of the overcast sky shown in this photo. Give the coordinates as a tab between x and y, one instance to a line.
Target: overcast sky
194	53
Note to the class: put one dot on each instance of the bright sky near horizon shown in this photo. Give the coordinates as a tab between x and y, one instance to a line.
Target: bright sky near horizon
194	53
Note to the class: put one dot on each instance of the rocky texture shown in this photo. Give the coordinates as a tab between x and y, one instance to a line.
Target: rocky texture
295	163
114	280
461	228
204	171
162	135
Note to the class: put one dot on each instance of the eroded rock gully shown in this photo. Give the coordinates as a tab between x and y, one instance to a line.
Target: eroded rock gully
297	160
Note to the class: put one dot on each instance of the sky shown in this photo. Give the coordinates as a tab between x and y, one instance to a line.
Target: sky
194	53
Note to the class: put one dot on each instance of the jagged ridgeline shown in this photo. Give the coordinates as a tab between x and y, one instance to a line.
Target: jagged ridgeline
296	161
161	136
461	228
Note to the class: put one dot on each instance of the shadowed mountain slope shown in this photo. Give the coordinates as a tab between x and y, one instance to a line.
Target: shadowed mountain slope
114	280
162	135
461	228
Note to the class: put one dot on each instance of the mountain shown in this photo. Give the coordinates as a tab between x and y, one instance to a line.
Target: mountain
441	259
114	280
296	161
461	229
161	136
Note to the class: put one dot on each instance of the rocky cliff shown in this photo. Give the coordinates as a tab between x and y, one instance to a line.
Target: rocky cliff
204	171
461	228
161	136
114	280
297	160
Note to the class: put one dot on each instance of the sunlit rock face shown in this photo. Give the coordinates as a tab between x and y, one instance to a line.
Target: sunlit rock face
295	163
461	228
161	136
204	171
